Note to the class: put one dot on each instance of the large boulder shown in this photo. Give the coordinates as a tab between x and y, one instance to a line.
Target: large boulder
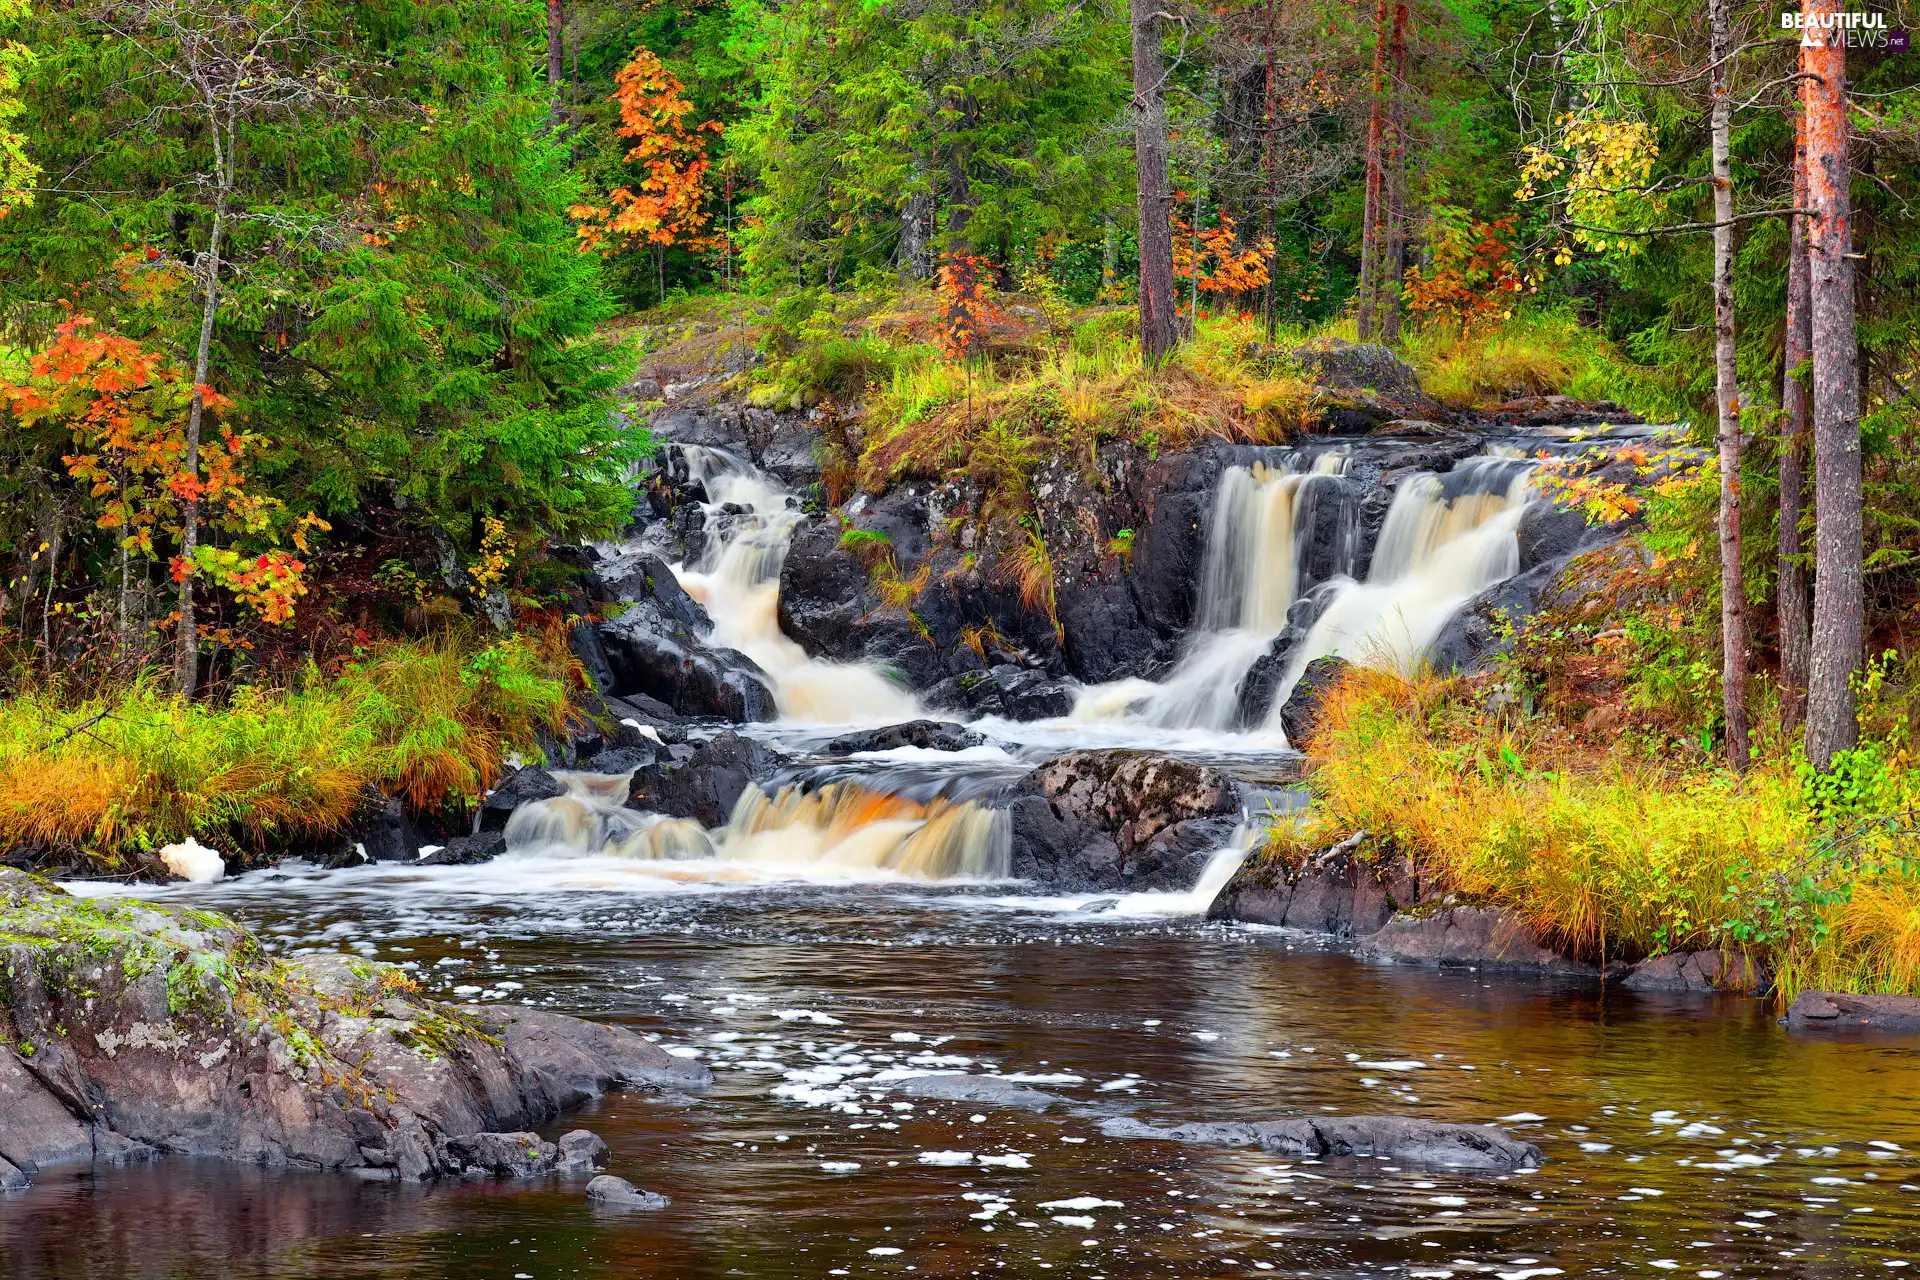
701	782
1334	892
1103	820
523	786
658	646
131	1029
1300	714
1364	385
928	735
1699	972
1475	937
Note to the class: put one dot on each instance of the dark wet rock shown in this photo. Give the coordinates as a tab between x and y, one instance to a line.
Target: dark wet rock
1483	627
1301	711
381	830
1026	694
467	851
1102	820
624	759
146	1028
500	1155
1547	532
929	735
653	581
701	782
584	640
1398	1138
618	1193
523	786
657	645
1334	892
1840	1011
1480	937
581	1150
984	1090
1699	971
1364	385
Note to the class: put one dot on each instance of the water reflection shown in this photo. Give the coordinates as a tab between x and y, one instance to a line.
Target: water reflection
1682	1136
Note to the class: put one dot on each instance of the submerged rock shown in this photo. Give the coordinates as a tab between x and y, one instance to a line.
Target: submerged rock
986	1090
618	1193
1841	1011
929	735
131	1028
1399	1138
1101	820
467	851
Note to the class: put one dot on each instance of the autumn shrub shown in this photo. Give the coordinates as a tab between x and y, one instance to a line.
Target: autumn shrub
112	778
1608	854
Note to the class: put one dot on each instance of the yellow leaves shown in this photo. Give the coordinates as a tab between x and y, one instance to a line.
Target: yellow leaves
489	572
1602	166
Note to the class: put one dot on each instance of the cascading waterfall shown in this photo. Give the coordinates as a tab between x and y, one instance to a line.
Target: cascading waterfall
1445	540
750	520
839	831
1249	577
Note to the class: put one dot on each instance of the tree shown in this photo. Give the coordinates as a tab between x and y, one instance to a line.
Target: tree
670	205
1790	589
1839	603
1383	216
1733	623
1159	333
17	172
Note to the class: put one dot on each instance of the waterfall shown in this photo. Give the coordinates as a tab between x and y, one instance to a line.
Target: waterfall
839	831
1445	540
749	522
1249	577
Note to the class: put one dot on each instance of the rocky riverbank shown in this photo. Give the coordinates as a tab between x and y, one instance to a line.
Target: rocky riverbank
135	1031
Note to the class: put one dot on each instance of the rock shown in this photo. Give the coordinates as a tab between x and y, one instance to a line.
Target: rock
132	1027
618	1193
381	830
501	1155
704	782
650	652
1397	1138
1547	532
523	786
930	735
1482	937
467	851
1088	820
1699	971
1839	1011
1301	711
1025	694
580	1150
1334	892
11	1179
1484	626
985	1090
1364	385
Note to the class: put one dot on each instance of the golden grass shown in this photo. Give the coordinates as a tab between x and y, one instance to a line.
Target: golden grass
1603	854
114	777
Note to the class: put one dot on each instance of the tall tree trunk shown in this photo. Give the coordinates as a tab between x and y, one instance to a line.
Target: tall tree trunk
556	58
1158	324
1392	267
1270	160
916	232
1371	210
1791	593
1733	618
1839	598
187	638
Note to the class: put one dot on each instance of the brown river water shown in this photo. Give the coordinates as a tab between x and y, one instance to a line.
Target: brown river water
1690	1137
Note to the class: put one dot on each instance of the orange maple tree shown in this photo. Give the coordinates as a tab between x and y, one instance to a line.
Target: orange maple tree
668	205
1473	275
966	311
1216	257
125	409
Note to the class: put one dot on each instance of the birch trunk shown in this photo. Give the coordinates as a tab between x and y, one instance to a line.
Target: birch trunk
187	638
1733	621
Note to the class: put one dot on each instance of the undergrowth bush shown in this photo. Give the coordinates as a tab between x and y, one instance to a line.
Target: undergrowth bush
113	777
1606	854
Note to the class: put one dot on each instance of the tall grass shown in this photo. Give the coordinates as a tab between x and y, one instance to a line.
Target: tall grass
111	778
1603	854
1534	353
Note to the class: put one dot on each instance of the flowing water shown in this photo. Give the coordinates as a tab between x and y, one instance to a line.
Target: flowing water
850	928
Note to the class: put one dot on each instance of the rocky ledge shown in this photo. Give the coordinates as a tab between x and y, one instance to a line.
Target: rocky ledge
1461	1146
1392	910
132	1031
1838	1011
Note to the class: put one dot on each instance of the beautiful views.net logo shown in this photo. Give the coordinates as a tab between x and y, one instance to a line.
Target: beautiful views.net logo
1852	30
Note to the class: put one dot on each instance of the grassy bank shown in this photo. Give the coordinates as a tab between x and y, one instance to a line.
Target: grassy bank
109	778
1617	851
